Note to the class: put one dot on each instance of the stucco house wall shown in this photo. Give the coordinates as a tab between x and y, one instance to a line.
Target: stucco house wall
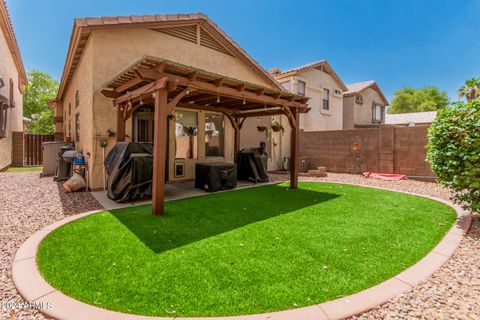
109	50
317	119
355	113
9	70
363	112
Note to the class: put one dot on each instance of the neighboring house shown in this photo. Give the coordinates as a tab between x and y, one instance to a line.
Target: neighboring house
12	81
411	119
322	85
111	55
363	105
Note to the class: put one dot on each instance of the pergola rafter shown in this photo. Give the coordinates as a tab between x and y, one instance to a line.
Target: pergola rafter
168	85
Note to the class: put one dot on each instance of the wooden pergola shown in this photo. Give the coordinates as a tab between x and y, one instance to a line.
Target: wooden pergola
168	85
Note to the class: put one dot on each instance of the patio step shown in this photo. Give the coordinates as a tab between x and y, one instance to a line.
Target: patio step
319	172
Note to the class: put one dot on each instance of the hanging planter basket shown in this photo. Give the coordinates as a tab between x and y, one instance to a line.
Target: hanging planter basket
277	127
261	128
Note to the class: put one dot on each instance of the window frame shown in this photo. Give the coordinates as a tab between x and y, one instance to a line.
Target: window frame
290	85
326	99
77	127
77	98
195	139
222	156
304	87
382	113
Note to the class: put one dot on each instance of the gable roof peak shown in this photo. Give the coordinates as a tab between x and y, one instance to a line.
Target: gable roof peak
358	87
83	26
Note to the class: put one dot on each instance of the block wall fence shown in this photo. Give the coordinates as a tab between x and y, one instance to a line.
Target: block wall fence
389	149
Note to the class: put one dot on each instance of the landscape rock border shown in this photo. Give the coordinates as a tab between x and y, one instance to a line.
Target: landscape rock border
53	303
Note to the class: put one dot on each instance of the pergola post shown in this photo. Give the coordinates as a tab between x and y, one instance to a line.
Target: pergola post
294	143
159	150
120	123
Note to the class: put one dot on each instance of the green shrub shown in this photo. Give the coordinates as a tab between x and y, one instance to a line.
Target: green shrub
454	151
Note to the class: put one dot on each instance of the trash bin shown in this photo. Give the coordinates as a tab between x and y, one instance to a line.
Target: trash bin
64	167
50	152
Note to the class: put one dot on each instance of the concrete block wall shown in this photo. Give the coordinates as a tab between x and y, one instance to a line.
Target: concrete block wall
387	149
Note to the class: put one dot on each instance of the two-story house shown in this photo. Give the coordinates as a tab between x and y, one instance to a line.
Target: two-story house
363	105
323	86
12	81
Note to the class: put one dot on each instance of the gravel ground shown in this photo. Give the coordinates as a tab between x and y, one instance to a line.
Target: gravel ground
29	203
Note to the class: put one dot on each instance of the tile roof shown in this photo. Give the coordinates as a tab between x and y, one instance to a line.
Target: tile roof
277	73
414	117
300	68
6	25
358	87
83	26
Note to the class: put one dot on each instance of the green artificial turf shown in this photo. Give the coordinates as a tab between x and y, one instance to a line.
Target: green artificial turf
24	169
247	251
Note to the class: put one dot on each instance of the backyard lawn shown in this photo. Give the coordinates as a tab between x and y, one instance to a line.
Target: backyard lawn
262	249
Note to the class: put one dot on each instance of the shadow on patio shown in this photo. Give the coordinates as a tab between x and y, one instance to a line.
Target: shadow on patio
190	220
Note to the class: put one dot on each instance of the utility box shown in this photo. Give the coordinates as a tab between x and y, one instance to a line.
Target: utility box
302	164
50	155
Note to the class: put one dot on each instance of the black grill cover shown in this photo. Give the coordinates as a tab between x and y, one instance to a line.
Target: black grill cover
129	166
251	165
215	176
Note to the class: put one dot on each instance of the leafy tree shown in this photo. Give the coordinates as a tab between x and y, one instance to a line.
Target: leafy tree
470	90
453	151
418	100
41	88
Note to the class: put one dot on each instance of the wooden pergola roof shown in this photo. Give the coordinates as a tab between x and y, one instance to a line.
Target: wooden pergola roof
168	85
203	89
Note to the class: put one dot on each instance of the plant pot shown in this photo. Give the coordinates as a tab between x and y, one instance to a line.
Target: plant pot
261	128
277	128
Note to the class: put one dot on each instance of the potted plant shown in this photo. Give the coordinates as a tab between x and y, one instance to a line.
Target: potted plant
277	127
261	128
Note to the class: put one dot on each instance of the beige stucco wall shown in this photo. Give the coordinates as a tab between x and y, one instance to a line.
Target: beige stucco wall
9	71
363	112
278	143
109	51
348	112
318	119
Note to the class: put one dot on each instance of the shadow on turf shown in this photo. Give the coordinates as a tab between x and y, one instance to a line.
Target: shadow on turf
190	220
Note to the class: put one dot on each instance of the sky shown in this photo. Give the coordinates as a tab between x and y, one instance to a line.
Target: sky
397	43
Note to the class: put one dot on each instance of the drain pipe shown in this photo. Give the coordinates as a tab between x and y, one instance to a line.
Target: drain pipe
103	145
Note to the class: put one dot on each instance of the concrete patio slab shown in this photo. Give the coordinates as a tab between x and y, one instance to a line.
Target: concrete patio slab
34	288
173	191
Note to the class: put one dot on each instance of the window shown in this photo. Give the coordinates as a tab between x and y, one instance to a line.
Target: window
326	99
378	113
77	99
287	85
214	135
3	118
12	97
337	92
77	127
143	126
70	128
359	99
301	87
186	128
70	109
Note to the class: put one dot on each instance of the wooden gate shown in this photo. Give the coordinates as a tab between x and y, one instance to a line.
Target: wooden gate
33	148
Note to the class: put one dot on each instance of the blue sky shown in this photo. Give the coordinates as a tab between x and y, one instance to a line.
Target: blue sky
397	43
